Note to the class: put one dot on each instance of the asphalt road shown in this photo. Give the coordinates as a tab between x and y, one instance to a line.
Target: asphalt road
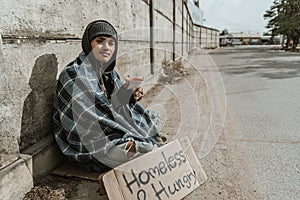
263	100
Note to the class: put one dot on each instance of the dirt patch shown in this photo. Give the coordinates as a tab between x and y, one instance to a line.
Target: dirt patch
172	71
46	193
55	187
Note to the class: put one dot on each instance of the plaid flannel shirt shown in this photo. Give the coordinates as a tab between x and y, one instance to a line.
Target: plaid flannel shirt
87	124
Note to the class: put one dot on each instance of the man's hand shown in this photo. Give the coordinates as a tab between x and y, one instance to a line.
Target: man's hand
131	149
125	96
138	94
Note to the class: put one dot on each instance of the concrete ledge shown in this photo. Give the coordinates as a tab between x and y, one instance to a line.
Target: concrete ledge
16	179
45	157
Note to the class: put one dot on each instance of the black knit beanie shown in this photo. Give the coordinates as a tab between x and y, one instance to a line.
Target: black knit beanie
102	28
94	29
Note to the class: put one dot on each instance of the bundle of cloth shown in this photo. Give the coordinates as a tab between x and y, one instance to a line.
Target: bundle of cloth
98	122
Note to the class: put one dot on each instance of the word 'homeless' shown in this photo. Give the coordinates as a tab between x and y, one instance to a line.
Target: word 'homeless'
168	164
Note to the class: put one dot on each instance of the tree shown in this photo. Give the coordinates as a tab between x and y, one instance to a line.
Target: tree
284	19
224	32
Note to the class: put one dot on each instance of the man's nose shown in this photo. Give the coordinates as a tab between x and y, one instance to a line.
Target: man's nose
105	45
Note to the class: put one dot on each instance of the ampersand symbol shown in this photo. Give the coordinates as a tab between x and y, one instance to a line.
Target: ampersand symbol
141	193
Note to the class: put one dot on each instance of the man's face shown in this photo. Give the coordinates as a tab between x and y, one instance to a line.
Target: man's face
103	47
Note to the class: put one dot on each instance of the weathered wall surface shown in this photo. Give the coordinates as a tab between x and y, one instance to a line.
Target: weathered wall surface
38	38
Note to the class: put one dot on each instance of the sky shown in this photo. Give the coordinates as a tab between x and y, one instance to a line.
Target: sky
236	15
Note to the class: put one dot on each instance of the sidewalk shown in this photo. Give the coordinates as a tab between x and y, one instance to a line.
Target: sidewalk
184	107
193	106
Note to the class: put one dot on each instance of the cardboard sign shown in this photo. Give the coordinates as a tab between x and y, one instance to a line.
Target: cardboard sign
164	173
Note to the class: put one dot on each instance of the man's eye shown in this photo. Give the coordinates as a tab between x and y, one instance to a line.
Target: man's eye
99	41
111	43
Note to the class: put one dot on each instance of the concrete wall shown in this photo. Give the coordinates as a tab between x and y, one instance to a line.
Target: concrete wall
38	38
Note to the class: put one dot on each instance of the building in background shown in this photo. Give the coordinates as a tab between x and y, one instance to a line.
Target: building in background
234	39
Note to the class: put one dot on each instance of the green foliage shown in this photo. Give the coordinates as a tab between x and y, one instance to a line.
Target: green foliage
284	19
224	32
